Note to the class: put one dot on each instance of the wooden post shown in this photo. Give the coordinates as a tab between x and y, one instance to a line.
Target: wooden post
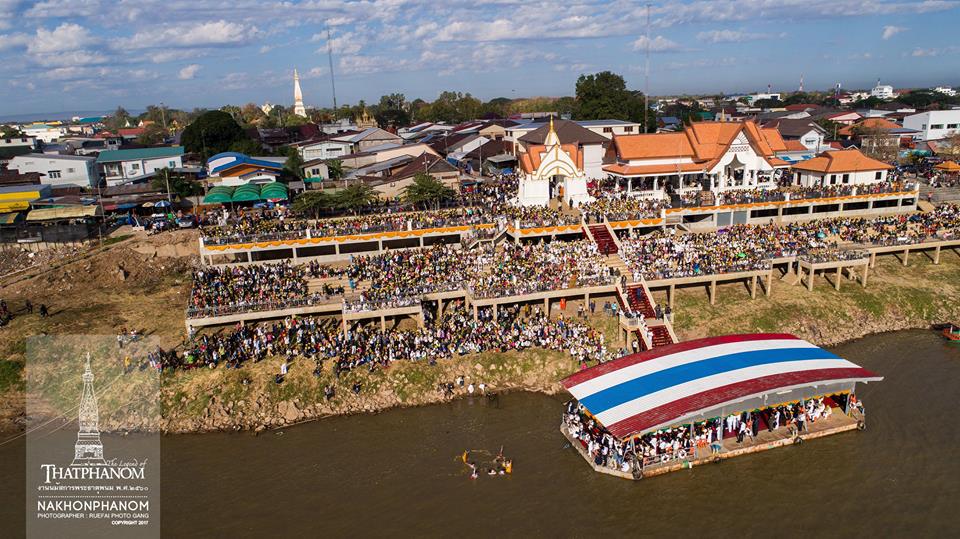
839	275
866	269
546	306
383	323
753	287
496	310
873	259
476	312
906	254
671	291
810	278
766	290
344	326
713	292
936	255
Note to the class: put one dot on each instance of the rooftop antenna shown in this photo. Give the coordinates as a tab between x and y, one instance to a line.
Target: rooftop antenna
646	76
801	83
333	84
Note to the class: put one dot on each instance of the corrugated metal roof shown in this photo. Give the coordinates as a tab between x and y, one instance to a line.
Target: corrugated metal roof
113	156
661	387
66	212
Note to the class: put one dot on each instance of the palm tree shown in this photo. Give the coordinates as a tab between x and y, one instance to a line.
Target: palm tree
355	197
335	170
427	190
314	202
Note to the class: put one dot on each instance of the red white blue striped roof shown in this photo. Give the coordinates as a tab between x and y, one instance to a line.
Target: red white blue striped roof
658	388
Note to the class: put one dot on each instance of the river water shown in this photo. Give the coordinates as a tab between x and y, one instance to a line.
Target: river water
398	473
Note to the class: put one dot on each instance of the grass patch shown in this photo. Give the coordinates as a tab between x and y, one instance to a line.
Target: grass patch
116	239
11	376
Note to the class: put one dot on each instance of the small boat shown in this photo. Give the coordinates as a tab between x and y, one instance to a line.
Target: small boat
951	332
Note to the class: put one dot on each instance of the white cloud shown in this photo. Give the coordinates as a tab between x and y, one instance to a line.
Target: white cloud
188	72
162	57
12	41
71	58
314	73
60	9
76	73
348	43
208	34
734	36
931	52
890	31
66	37
657	44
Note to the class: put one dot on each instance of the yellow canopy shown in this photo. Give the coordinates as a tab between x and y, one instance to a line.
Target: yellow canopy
16	204
948	166
63	212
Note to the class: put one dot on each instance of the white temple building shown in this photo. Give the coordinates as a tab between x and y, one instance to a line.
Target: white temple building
298	107
551	170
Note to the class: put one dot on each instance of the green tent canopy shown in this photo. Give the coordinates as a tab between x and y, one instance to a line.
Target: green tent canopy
219	195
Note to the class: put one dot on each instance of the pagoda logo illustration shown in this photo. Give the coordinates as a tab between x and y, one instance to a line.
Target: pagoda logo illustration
88	450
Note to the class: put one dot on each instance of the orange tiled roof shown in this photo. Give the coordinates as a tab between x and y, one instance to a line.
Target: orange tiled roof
653	145
701	141
794	146
851	160
774	140
868	123
640	170
529	160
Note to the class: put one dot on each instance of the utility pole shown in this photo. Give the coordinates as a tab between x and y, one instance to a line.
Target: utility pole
163	115
333	84
166	176
646	77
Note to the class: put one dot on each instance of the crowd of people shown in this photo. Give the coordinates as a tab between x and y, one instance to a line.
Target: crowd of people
455	333
535	267
620	207
698	439
399	278
536	216
663	254
218	288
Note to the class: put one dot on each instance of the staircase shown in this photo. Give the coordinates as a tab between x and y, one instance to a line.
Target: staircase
940	194
661	336
707	198
604	239
639	302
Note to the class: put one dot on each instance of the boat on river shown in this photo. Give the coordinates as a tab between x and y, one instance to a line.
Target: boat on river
951	332
708	400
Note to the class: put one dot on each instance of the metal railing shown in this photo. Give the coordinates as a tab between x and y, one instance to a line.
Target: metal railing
240	308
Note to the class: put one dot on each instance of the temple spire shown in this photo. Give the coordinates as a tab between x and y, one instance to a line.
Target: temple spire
298	107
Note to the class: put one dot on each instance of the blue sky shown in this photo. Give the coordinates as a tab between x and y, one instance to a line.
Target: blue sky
97	54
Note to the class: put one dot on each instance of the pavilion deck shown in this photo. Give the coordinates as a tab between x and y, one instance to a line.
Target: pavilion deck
837	422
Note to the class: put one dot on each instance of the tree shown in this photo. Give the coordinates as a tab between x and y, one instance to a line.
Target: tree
768	103
335	169
11	131
314	202
427	190
294	163
213	132
605	95
251	114
152	134
247	146
830	126
118	120
355	197
180	184
878	143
